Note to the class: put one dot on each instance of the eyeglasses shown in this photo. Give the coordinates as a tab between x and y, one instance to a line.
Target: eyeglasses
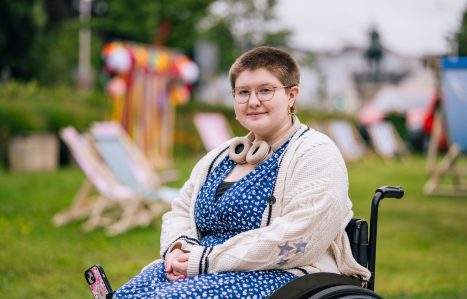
264	92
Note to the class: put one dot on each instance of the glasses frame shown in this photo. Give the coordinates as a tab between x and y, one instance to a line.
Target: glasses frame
256	92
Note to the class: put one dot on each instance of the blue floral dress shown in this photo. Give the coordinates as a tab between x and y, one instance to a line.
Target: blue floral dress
239	209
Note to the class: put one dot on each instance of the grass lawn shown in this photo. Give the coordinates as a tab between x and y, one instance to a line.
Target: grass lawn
422	241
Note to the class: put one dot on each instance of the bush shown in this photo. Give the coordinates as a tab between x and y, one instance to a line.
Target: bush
29	107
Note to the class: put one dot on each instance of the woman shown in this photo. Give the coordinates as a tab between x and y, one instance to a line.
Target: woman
245	228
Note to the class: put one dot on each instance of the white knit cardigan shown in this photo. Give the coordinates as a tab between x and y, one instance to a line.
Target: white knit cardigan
312	205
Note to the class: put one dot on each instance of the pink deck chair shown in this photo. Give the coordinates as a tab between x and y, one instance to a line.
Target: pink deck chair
213	129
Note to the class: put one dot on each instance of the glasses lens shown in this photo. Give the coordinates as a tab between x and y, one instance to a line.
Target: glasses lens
265	92
241	94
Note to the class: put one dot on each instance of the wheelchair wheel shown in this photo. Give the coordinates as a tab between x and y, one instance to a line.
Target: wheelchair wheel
346	292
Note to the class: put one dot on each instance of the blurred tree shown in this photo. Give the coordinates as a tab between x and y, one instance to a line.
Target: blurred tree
21	22
240	25
165	22
39	38
462	37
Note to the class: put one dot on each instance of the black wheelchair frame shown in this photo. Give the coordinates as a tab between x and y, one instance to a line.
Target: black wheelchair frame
334	286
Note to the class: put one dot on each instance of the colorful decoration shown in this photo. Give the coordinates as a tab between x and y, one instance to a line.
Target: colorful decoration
117	87
148	82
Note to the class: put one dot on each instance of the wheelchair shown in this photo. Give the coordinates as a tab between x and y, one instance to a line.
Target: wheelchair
336	286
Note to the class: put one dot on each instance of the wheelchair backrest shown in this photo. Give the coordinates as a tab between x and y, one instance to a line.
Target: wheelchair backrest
357	231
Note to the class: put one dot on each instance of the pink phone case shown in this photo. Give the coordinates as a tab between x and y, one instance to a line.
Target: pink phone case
98	282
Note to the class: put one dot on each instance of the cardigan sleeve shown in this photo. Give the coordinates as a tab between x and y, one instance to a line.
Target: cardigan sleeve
176	224
315	205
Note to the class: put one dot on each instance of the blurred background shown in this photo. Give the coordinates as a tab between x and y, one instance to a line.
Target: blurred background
386	80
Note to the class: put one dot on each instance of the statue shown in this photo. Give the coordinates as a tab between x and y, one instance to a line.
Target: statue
374	54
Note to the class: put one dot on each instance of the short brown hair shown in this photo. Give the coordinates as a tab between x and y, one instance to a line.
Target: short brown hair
279	63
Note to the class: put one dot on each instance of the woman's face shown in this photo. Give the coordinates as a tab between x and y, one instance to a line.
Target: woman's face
268	117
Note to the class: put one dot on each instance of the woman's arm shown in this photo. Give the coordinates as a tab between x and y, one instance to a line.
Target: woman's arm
176	224
315	207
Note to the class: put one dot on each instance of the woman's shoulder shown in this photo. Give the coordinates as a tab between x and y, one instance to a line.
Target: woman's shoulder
314	153
309	138
216	154
311	145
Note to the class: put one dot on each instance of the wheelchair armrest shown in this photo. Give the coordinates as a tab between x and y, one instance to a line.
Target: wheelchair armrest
308	285
357	231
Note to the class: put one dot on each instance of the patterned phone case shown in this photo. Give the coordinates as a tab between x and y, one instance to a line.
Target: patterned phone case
98	282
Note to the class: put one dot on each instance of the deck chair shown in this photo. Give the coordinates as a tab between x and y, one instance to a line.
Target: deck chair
347	139
109	190
213	128
453	84
114	200
386	141
132	169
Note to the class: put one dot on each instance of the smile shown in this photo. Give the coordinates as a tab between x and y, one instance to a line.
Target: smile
255	114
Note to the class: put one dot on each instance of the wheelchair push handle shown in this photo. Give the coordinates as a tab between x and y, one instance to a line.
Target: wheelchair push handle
382	192
391	192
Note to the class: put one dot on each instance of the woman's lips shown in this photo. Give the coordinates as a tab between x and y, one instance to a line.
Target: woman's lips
256	113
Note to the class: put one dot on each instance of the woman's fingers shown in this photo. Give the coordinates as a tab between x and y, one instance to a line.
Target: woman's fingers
168	269
184	257
168	265
176	264
179	268
174	254
172	277
169	258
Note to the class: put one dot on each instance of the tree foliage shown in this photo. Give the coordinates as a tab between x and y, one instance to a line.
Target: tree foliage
39	38
140	20
462	36
240	25
21	23
234	25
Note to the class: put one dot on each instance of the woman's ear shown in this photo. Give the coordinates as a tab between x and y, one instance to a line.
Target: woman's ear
293	95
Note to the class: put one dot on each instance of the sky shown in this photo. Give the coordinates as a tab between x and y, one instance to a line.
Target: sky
408	27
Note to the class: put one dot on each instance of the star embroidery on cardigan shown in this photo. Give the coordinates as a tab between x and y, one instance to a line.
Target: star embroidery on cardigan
300	246
284	250
282	262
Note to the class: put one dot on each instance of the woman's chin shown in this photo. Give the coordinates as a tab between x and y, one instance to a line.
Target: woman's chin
258	125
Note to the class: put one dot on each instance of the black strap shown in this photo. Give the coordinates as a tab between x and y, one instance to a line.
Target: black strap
213	161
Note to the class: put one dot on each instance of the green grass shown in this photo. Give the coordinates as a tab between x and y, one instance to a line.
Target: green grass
421	242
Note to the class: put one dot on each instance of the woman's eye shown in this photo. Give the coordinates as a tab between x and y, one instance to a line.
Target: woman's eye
243	92
265	90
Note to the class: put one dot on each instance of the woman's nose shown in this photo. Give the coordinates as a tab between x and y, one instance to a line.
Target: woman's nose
254	101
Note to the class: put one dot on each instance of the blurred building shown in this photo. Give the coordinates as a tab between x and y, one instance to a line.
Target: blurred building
350	83
343	80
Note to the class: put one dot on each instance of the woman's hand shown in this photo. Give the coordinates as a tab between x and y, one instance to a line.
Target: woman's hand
170	257
176	263
179	266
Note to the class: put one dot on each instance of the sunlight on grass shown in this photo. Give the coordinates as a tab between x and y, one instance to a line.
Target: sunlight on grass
421	240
